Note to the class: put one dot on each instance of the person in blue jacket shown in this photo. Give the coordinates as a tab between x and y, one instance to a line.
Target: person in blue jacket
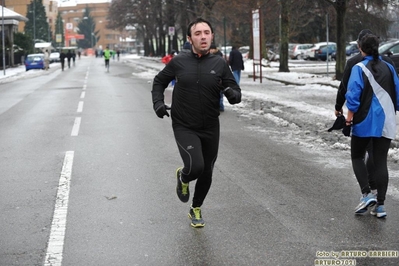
340	101
372	101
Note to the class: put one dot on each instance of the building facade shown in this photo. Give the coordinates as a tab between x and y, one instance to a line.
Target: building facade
72	12
21	7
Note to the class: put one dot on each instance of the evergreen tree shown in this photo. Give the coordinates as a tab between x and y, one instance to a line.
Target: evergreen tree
24	42
37	27
86	26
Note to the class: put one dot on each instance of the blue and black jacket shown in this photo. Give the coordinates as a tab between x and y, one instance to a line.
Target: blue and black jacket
372	96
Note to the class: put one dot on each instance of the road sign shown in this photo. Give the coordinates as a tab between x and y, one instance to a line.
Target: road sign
172	31
74	36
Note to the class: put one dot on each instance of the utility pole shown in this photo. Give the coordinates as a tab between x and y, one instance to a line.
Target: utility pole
2	33
34	23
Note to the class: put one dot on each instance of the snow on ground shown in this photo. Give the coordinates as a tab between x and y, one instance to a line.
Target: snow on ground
301	100
294	108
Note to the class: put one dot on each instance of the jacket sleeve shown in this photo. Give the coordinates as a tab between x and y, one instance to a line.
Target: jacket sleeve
229	81
389	60
355	87
160	83
340	99
231	58
396	83
392	68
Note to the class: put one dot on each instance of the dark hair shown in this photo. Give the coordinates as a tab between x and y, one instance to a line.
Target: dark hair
362	34
369	45
195	22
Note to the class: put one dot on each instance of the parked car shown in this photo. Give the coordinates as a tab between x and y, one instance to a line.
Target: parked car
391	49
325	52
54	57
244	51
310	54
296	50
351	49
34	61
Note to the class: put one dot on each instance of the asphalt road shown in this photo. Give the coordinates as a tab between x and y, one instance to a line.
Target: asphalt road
88	179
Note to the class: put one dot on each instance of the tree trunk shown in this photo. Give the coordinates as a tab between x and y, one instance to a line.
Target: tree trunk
340	7
285	25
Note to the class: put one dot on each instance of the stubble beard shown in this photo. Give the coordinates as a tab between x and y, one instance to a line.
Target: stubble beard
204	51
201	51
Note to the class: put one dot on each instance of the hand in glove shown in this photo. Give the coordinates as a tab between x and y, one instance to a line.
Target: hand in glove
160	109
231	95
347	129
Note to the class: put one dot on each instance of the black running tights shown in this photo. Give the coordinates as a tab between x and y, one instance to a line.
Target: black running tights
199	150
379	155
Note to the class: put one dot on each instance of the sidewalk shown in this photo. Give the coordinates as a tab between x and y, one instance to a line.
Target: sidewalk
301	72
14	73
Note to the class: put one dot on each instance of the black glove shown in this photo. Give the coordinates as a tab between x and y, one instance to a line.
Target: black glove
347	130
230	95
160	109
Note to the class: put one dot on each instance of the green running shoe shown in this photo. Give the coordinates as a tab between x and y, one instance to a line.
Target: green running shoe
182	189
196	217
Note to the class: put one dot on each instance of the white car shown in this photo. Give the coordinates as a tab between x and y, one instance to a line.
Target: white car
54	57
309	54
297	50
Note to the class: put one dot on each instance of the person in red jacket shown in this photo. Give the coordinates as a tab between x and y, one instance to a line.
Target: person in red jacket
166	59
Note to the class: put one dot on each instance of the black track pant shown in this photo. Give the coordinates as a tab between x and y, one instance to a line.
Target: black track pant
199	150
379	155
370	166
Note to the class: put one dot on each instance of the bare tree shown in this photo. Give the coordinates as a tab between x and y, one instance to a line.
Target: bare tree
285	32
302	21
341	7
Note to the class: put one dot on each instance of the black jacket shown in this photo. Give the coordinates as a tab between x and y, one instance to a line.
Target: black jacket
340	100
235	60
196	94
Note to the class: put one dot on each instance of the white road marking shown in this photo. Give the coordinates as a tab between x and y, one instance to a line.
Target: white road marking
76	126
82	95
80	107
57	234
84	87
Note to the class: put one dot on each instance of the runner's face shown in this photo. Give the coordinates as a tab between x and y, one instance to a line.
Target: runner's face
201	38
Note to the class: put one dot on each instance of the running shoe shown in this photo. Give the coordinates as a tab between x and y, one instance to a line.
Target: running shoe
379	211
365	202
182	189
196	217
